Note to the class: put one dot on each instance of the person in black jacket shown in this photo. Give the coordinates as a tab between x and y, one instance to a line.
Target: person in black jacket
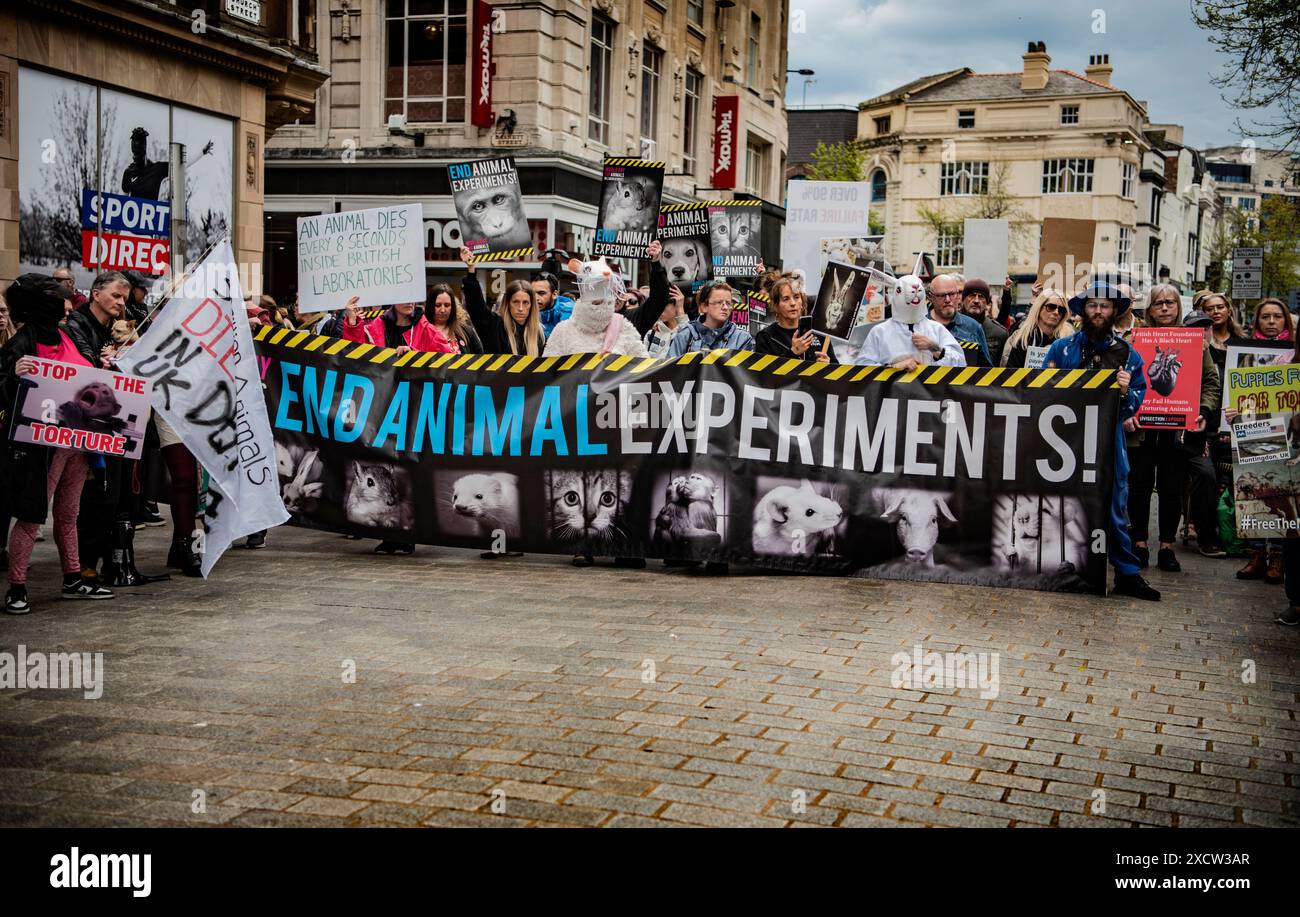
782	338
31	475
515	325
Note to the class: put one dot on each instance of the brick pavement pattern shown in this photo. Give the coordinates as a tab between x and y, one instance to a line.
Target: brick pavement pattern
526	692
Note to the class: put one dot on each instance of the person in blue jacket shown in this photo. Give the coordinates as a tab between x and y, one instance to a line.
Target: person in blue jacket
553	307
945	301
1097	346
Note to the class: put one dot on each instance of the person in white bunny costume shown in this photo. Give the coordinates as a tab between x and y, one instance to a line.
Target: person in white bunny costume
909	338
595	326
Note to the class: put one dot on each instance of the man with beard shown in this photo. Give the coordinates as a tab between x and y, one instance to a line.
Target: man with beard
976	302
945	298
1095	347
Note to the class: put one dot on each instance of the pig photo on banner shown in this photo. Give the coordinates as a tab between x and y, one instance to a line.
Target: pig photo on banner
207	383
1266	448
1172	363
734	229
490	207
684	235
629	208
78	407
376	255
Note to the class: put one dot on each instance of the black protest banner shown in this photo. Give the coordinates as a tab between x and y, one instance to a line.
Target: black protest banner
629	208
986	476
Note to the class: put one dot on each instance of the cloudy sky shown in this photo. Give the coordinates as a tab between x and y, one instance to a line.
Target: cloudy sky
862	48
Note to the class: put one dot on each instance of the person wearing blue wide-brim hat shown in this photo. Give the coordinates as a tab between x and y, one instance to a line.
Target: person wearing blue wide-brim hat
1096	346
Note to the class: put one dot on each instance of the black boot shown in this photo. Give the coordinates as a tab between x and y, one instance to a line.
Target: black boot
1134	586
120	569
183	557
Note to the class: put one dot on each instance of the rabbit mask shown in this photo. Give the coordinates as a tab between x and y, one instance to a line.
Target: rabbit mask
907	299
598	289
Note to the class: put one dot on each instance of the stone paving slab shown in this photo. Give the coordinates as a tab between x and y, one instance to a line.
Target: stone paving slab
520	692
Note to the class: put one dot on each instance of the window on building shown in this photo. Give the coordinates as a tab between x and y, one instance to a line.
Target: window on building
1126	180
1246	203
878	186
882	125
1069	114
695	12
1067	176
949	251
756	156
1193	249
651	64
690	120
1268	183
965	118
1125	245
426	43
602	55
1157	199
755	28
1153	253
963	178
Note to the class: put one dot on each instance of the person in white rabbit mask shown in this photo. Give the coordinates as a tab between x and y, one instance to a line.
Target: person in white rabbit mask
909	338
594	326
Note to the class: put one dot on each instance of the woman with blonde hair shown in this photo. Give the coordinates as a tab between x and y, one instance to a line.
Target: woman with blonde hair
515	326
1045	322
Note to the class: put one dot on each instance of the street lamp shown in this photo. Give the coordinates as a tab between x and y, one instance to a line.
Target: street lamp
803	71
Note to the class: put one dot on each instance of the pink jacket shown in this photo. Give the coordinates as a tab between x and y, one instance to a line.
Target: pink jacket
421	335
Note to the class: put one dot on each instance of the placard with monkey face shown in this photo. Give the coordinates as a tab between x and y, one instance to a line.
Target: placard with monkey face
490	208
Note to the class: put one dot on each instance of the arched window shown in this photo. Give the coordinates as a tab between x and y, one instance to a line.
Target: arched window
877	186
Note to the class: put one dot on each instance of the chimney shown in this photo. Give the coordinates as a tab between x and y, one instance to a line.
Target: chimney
1099	68
1034	75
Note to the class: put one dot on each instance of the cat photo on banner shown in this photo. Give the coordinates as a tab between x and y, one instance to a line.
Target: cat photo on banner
588	509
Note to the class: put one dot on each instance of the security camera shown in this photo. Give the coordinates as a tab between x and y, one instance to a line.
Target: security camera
397	124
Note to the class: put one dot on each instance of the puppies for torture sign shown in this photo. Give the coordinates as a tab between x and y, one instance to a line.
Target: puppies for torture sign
984	476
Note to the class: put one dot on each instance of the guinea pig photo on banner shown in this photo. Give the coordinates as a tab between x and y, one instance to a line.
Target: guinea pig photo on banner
490	208
629	208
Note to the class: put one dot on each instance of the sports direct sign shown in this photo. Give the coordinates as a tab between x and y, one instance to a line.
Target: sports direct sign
121	233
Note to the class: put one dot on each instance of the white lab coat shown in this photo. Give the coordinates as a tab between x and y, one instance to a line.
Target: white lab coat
890	341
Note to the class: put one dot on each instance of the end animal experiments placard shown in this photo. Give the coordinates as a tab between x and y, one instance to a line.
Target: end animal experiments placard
490	208
1172	363
684	233
629	208
77	407
376	255
735	238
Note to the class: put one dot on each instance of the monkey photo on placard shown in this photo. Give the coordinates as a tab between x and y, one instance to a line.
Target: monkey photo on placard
490	207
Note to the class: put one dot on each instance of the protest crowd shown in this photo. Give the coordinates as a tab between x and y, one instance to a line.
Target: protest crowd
92	503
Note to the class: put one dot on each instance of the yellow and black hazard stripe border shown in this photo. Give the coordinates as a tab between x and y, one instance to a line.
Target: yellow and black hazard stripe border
636	163
513	254
980	377
700	205
760	296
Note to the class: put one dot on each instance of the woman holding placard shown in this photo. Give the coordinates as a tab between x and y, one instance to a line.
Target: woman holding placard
516	325
1166	453
1045	322
32	475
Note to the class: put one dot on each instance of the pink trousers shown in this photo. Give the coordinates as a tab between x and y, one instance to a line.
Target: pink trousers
67	475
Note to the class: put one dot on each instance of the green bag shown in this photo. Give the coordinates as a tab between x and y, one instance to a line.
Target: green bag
1228	525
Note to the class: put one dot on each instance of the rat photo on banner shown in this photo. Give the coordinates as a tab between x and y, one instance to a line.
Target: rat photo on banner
1172	363
839	297
734	231
490	208
629	208
684	234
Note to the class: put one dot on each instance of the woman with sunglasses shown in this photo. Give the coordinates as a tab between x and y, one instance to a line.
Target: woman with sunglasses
1045	323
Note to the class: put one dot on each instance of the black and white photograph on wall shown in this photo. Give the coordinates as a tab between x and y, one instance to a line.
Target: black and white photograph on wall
490	207
797	517
588	509
378	496
629	208
478	504
690	513
209	172
684	235
734	231
57	140
839	299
